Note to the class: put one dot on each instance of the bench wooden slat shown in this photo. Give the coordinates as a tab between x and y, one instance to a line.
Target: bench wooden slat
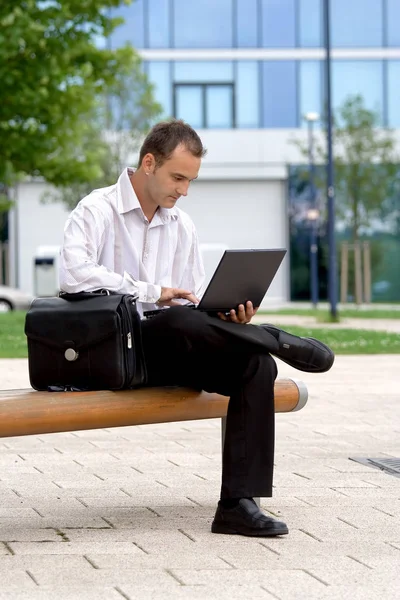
27	412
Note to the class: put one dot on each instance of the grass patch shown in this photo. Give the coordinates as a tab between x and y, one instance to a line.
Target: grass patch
351	341
324	316
12	336
342	341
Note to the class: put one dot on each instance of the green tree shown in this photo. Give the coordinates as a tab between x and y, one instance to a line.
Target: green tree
123	114
366	165
54	77
367	175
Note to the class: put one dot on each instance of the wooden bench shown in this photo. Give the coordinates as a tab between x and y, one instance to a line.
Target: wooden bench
28	412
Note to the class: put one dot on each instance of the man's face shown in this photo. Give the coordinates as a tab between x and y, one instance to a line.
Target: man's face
166	184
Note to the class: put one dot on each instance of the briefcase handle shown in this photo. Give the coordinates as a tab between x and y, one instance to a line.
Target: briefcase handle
85	295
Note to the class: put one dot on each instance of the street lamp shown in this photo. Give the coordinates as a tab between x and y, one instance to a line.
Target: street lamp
332	275
313	212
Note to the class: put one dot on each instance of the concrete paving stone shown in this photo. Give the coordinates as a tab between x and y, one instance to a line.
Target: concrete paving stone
344	592
159	500
16	579
12	533
74	548
212	591
31	522
163	559
11	500
87	483
382	480
389	563
348	533
268	560
282	502
355	576
52	592
174	540
295	464
272	581
369	517
51	562
16	513
388	504
151	492
369	493
396	544
78	580
316	492
47	456
332	479
73	520
106	537
177	512
294	548
32	493
4	551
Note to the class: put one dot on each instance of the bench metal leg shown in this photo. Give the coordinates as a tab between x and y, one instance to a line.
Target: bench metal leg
223	430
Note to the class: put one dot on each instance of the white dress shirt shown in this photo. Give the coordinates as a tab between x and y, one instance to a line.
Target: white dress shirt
109	243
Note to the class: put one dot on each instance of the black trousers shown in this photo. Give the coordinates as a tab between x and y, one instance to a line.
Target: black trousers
187	347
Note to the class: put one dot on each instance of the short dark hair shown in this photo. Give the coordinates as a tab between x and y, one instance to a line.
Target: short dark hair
166	136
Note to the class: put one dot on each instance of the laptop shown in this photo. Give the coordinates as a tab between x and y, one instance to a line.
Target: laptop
241	275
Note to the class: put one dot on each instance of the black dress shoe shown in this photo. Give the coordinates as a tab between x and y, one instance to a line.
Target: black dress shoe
246	519
305	354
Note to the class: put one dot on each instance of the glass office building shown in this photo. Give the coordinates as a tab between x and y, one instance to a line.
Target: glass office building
244	72
258	64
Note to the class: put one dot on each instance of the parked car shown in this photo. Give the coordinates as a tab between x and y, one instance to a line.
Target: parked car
13	299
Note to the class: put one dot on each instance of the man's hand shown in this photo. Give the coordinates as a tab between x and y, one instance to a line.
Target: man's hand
168	295
243	315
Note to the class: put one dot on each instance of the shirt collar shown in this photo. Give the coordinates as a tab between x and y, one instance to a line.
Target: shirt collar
127	199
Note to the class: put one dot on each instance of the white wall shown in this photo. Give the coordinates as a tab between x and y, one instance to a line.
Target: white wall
32	224
243	214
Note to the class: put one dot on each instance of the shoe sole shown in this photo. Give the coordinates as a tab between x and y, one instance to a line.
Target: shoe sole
223	528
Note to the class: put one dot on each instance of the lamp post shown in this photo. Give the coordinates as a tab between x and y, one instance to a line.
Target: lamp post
332	275
313	212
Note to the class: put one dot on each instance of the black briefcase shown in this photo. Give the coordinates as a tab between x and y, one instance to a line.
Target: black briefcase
85	341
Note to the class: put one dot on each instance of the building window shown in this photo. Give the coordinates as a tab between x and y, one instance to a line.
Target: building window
247	94
393	20
246	23
278	23
203	71
363	77
393	93
159	73
132	31
203	23
310	23
310	88
279	92
159	26
357	23
205	105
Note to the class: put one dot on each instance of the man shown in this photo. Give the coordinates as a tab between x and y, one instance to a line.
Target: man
131	238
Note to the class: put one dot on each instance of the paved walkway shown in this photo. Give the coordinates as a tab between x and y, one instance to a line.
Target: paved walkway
126	513
392	325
